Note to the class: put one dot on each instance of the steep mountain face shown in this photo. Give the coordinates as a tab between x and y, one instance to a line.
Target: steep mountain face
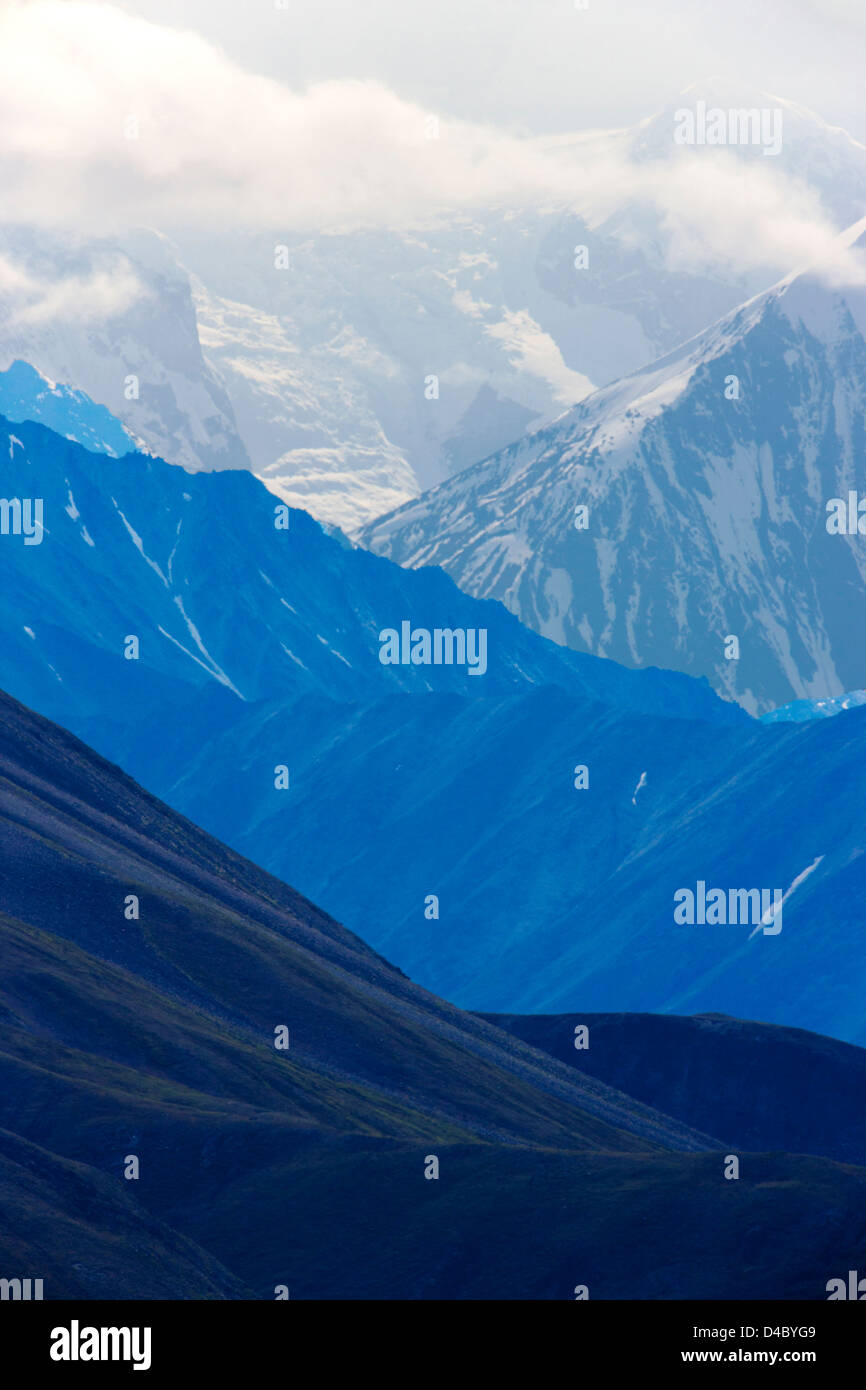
705	483
149	1032
764	1087
309	425
117	321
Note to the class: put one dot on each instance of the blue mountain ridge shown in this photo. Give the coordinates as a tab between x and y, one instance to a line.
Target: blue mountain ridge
25	394
193	564
551	898
260	648
802	710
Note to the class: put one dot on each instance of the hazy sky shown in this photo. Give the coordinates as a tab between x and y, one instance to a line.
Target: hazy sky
218	113
539	65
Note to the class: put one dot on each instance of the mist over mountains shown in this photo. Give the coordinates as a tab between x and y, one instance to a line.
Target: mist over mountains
313	354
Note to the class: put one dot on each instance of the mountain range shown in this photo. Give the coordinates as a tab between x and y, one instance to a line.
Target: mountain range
310	355
258	706
156	1141
492	582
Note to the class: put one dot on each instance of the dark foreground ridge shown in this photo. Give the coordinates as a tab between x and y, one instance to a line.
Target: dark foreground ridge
152	1036
757	1084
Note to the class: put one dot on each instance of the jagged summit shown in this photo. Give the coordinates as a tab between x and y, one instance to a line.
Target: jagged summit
707	476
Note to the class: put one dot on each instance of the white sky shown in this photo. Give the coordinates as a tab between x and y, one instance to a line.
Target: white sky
543	65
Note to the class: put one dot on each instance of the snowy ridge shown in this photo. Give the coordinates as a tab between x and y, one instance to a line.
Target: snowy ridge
706	477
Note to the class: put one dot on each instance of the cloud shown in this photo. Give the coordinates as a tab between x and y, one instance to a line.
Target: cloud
110	121
106	117
837	11
737	216
107	288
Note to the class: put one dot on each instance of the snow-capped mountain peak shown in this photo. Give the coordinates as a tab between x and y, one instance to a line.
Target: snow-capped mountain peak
682	516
